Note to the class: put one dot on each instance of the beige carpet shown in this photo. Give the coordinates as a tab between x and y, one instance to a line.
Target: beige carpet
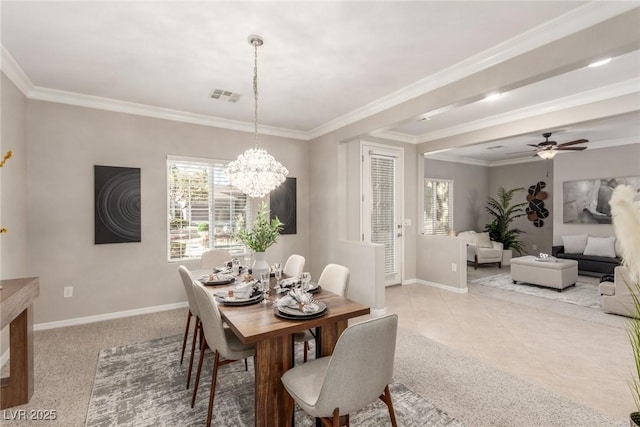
66	359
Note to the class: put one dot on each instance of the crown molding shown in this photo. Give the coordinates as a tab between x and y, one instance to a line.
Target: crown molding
456	159
606	92
395	136
109	104
573	21
14	72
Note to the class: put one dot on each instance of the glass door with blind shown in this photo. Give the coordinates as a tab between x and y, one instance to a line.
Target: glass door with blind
382	205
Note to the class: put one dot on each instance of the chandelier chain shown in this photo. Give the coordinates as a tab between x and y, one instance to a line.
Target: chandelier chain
255	90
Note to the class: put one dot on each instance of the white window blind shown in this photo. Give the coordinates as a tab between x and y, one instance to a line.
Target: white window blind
438	206
203	209
382	209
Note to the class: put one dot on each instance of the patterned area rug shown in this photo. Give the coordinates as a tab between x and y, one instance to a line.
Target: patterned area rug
144	385
584	293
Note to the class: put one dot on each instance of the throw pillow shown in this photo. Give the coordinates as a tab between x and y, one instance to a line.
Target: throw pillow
600	246
483	240
574	244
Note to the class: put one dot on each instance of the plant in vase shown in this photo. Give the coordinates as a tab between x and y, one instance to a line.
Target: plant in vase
263	233
625	213
503	214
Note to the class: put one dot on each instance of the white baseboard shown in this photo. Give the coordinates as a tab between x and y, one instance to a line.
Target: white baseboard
409	281
441	286
107	316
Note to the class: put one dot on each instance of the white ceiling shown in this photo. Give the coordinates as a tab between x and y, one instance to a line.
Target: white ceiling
323	64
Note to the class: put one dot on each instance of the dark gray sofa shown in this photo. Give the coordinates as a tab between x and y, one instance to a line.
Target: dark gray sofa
589	265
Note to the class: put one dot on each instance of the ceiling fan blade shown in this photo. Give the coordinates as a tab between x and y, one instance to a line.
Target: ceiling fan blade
571	148
577	141
520	152
533	145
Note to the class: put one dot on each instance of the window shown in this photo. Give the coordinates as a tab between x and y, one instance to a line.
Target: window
438	206
203	209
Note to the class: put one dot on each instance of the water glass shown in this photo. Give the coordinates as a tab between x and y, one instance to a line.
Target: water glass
235	266
264	282
306	280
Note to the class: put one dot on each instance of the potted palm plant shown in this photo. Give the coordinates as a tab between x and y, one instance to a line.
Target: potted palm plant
503	214
263	233
625	215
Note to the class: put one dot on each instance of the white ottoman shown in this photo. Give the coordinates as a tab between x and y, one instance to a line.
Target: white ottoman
555	273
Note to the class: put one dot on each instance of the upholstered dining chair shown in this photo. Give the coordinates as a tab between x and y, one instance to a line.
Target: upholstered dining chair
358	373
226	346
334	278
213	258
294	266
187	281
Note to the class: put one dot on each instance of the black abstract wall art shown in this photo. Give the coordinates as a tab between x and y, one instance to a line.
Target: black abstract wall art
283	205
536	211
117	204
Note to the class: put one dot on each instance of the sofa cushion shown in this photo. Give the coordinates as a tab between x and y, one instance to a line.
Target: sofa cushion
574	244
483	240
600	246
617	246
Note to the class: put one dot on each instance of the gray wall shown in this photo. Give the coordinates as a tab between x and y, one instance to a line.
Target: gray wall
602	163
64	142
470	191
13	189
525	175
13	179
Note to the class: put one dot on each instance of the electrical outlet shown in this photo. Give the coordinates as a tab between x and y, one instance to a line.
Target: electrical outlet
454	267
68	291
535	247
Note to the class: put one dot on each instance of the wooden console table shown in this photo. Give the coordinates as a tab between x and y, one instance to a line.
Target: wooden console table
16	310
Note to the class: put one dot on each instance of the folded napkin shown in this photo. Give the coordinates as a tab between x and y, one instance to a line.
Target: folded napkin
300	300
222	270
244	289
287	283
217	277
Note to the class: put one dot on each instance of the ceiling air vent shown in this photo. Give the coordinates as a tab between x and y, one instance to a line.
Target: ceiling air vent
224	95
495	146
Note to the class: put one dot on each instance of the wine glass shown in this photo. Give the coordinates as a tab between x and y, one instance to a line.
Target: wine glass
277	271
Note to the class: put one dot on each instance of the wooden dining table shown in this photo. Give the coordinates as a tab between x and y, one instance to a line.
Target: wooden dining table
258	324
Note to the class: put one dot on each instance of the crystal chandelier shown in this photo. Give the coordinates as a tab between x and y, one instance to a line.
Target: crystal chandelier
255	172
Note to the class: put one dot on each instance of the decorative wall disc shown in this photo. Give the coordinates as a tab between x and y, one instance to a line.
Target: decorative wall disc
536	211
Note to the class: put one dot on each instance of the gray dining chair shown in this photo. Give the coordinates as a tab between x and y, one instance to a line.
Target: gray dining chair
187	281
356	375
334	278
224	343
214	258
294	266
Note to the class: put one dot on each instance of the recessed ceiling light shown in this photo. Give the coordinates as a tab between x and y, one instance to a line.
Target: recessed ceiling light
600	62
492	96
425	118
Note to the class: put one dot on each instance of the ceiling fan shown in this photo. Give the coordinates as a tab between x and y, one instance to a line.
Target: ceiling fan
547	149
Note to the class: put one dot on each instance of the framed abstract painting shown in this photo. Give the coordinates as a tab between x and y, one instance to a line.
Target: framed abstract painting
117	204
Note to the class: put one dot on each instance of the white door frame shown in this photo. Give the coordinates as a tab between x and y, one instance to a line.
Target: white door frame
398	154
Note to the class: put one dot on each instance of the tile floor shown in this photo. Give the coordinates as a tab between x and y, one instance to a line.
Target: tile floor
584	361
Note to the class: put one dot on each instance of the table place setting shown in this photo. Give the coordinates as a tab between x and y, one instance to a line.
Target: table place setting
298	304
217	279
244	293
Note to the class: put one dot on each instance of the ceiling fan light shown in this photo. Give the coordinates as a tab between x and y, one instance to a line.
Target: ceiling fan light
547	154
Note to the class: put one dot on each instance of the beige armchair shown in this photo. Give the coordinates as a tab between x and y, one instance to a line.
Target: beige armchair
616	295
482	250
